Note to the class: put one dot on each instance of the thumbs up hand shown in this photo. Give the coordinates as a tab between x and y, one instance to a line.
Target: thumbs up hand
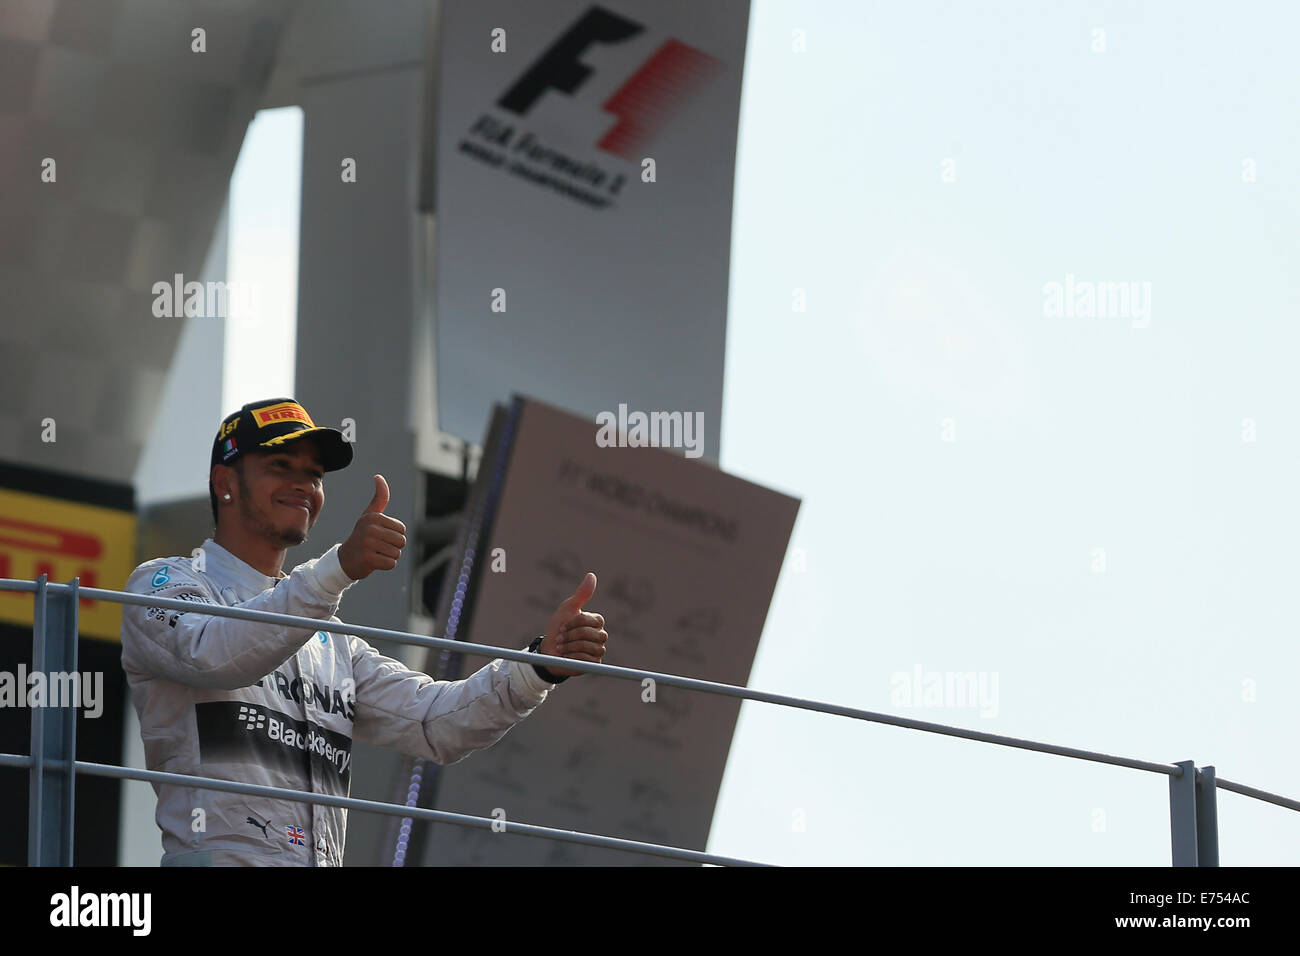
575	633
376	541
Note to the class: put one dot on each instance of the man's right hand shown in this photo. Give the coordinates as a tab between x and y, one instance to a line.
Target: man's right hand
376	541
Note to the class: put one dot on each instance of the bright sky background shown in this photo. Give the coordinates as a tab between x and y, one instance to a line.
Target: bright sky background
265	200
925	302
257	255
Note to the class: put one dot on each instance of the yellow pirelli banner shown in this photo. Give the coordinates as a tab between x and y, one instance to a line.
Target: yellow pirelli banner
63	539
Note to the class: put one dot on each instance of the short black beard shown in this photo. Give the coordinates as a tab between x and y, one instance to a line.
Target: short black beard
280	538
288	539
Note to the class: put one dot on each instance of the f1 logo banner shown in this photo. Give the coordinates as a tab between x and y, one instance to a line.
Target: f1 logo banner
583	174
649	96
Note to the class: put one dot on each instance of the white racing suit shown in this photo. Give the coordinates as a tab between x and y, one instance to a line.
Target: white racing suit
280	706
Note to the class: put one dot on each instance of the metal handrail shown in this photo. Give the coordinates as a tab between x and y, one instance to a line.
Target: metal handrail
1183	789
1258	794
611	670
389	809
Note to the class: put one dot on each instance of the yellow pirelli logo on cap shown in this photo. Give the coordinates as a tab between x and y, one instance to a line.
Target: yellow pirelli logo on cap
283	412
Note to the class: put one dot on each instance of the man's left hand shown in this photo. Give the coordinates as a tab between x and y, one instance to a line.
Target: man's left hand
574	633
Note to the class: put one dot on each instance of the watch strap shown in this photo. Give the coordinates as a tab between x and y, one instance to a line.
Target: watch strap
542	672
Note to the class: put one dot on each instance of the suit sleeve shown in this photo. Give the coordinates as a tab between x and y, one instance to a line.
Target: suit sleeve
222	653
442	721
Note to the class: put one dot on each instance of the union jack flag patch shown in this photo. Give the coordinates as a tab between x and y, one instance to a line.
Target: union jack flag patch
296	836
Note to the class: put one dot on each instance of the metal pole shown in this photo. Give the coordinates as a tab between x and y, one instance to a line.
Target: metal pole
398	810
54	653
1182	814
1207	818
36	777
71	625
1223	783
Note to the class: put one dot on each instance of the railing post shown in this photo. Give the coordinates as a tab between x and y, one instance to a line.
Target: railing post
50	791
1182	814
1207	818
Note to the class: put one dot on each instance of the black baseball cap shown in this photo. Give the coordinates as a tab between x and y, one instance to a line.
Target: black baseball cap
271	424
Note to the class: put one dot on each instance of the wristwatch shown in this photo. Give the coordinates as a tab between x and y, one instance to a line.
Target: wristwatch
542	672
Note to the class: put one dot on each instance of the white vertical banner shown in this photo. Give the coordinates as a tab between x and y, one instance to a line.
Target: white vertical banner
584	165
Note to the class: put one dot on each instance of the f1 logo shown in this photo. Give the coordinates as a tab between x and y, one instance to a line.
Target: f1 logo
642	104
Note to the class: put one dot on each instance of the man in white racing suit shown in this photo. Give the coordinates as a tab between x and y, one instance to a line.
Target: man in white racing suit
280	706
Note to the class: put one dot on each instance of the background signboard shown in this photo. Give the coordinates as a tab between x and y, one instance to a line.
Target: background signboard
40	534
686	558
66	526
584	159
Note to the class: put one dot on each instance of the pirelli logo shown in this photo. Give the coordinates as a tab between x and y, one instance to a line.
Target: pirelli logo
62	540
283	412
